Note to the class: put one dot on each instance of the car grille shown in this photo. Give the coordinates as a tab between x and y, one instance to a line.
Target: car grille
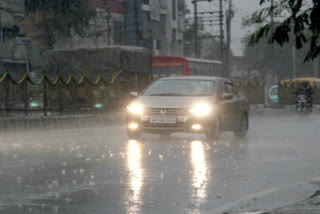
172	112
150	125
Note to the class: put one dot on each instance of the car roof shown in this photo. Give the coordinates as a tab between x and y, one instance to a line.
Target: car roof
194	78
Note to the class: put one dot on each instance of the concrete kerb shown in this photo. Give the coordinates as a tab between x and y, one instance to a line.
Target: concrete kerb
309	206
53	122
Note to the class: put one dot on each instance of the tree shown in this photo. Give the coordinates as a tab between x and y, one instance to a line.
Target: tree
262	57
60	16
183	8
303	22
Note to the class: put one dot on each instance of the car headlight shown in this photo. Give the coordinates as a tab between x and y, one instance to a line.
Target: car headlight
135	109
201	110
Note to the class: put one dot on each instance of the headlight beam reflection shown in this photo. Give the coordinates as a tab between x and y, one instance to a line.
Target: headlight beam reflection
200	173
135	176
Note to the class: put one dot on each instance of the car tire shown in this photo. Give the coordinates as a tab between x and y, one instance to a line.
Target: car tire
243	126
212	133
134	135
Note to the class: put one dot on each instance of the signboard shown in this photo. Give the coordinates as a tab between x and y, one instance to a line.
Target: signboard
133	31
15	7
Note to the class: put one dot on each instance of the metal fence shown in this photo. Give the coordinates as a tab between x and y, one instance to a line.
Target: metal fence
253	90
58	94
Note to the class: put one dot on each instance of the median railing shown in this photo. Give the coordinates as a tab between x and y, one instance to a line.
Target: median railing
55	93
252	89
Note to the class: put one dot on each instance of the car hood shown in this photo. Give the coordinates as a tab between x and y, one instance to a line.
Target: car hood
170	101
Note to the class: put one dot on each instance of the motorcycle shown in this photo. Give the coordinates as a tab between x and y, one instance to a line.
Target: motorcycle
302	103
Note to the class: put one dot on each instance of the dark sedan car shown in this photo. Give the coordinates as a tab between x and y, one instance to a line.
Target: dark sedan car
188	104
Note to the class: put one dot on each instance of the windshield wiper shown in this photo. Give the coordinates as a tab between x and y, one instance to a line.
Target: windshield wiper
168	94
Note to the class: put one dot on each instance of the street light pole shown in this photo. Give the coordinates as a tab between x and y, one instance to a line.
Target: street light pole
294	74
195	28
229	16
221	31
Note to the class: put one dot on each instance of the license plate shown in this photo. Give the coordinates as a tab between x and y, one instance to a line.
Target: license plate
163	120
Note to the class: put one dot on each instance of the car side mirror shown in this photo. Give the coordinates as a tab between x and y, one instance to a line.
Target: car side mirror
227	96
134	94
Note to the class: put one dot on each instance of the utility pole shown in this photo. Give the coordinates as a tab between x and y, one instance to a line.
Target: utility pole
195	10
221	31
136	17
272	21
268	74
229	17
316	67
196	40
294	74
108	22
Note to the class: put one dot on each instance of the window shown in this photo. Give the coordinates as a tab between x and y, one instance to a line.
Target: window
235	90
232	89
163	25
158	44
174	35
146	2
221	90
274	91
147	25
174	10
118	33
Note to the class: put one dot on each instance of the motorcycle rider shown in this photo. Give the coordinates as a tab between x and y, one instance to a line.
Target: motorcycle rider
306	90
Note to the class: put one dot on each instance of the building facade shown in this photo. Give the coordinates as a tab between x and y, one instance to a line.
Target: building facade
13	49
154	24
105	29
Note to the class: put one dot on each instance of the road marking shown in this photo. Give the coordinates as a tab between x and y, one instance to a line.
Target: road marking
233	204
242	200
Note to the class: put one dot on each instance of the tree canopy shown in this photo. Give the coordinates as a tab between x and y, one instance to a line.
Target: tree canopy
302	20
183	8
262	57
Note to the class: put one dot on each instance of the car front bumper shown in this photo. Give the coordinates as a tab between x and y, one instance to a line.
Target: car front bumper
182	124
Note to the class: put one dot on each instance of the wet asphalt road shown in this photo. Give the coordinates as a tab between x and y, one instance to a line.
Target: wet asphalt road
98	170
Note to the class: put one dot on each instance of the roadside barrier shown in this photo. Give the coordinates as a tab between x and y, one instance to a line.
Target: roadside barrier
58	93
59	122
286	90
253	90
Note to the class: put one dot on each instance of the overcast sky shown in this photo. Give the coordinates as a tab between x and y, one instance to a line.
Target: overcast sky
242	8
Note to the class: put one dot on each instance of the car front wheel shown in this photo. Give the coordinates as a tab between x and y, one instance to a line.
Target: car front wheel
243	127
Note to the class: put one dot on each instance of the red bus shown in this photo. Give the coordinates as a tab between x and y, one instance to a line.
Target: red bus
163	66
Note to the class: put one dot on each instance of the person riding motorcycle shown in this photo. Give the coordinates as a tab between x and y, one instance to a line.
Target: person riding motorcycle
306	89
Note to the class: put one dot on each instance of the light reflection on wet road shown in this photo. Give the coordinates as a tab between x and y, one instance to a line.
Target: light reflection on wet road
200	174
135	176
98	170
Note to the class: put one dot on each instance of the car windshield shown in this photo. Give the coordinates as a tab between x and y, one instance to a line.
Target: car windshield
274	91
180	88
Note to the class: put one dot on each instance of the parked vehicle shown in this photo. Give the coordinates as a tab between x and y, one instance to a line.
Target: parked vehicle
273	95
311	80
188	104
178	66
